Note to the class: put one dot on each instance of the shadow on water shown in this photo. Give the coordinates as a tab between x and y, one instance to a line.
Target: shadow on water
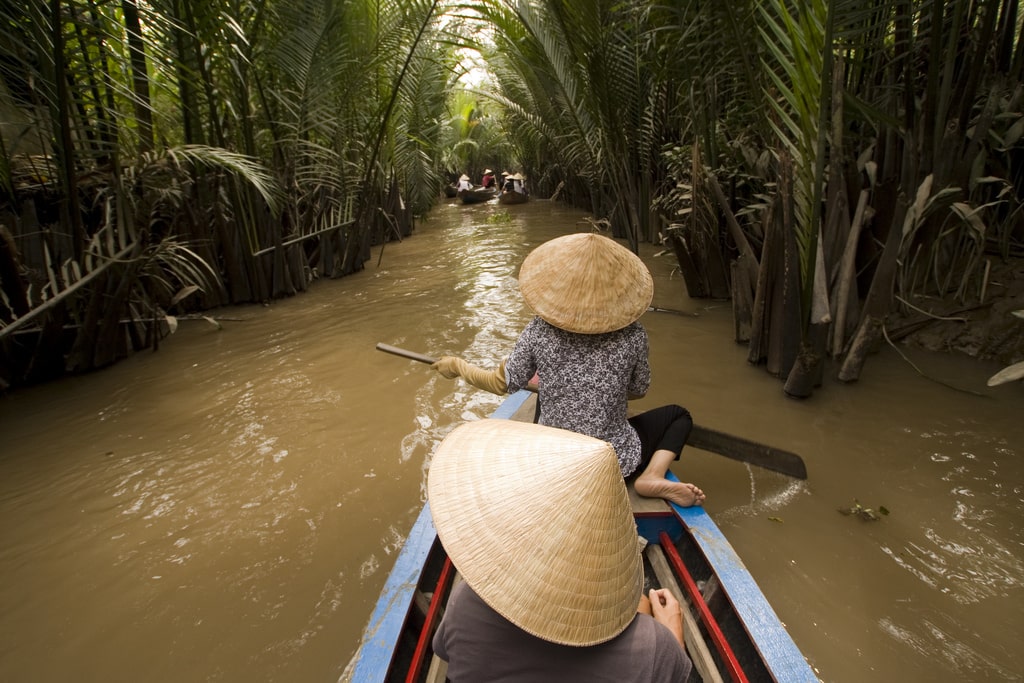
228	509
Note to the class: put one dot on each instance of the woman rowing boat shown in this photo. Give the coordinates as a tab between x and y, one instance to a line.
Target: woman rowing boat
590	352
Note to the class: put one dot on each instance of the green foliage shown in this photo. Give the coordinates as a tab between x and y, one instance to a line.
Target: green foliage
292	123
864	513
499	217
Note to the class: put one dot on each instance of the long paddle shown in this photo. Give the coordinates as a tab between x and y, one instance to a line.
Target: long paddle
712	440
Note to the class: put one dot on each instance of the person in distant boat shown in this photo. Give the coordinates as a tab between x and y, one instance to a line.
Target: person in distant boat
518	184
464	183
488	179
553	587
506	181
590	351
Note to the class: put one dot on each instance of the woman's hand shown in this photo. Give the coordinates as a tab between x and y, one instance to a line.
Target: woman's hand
448	366
493	381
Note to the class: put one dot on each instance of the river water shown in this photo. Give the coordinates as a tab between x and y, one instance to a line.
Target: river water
228	508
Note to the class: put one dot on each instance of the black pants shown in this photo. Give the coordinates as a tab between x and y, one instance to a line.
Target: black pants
664	428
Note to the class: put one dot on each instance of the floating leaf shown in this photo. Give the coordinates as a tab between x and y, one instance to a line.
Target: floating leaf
499	217
776	519
212	322
866	514
1007	374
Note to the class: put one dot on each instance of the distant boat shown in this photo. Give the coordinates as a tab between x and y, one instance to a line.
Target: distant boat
732	633
450	191
477	195
513	197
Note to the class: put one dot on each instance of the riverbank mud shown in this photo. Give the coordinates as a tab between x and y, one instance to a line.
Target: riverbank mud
983	328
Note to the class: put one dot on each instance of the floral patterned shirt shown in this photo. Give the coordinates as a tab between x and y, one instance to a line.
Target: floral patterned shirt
585	380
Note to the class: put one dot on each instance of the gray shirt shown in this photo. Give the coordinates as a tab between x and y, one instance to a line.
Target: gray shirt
481	645
585	381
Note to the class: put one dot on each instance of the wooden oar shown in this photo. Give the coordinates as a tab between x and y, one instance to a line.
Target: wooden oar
735	447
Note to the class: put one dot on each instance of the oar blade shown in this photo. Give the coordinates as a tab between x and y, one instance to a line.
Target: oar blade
744	450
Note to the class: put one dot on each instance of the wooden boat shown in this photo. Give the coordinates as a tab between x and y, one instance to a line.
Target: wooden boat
450	191
731	631
512	197
477	195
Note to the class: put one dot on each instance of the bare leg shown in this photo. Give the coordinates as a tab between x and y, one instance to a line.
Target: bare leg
652	482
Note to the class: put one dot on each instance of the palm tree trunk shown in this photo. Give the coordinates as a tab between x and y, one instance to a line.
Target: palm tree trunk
64	147
140	74
185	66
879	300
356	243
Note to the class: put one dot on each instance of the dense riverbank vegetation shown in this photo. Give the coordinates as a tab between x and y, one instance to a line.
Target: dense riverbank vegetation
826	165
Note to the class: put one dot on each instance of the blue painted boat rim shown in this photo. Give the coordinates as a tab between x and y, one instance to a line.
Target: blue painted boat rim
380	637
779	652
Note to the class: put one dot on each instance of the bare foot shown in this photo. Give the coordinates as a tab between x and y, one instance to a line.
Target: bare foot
680	493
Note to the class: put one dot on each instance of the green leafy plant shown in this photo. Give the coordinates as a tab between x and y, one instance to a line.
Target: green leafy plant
864	513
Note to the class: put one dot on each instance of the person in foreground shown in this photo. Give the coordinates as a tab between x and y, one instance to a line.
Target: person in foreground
551	583
590	353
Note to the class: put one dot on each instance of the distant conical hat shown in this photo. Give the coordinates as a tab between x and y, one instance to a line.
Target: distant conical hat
586	283
567	570
463	177
487	170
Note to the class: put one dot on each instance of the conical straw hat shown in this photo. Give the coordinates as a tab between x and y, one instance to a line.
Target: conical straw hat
586	283
565	568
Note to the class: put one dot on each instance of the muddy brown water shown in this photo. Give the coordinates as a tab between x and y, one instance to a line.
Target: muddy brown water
227	509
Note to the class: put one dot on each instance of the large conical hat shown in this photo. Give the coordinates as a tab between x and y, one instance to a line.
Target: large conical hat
565	569
586	283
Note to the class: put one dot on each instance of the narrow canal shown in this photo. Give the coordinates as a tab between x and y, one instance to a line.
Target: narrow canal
227	509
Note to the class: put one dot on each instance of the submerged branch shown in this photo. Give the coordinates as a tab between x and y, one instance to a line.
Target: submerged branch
922	373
